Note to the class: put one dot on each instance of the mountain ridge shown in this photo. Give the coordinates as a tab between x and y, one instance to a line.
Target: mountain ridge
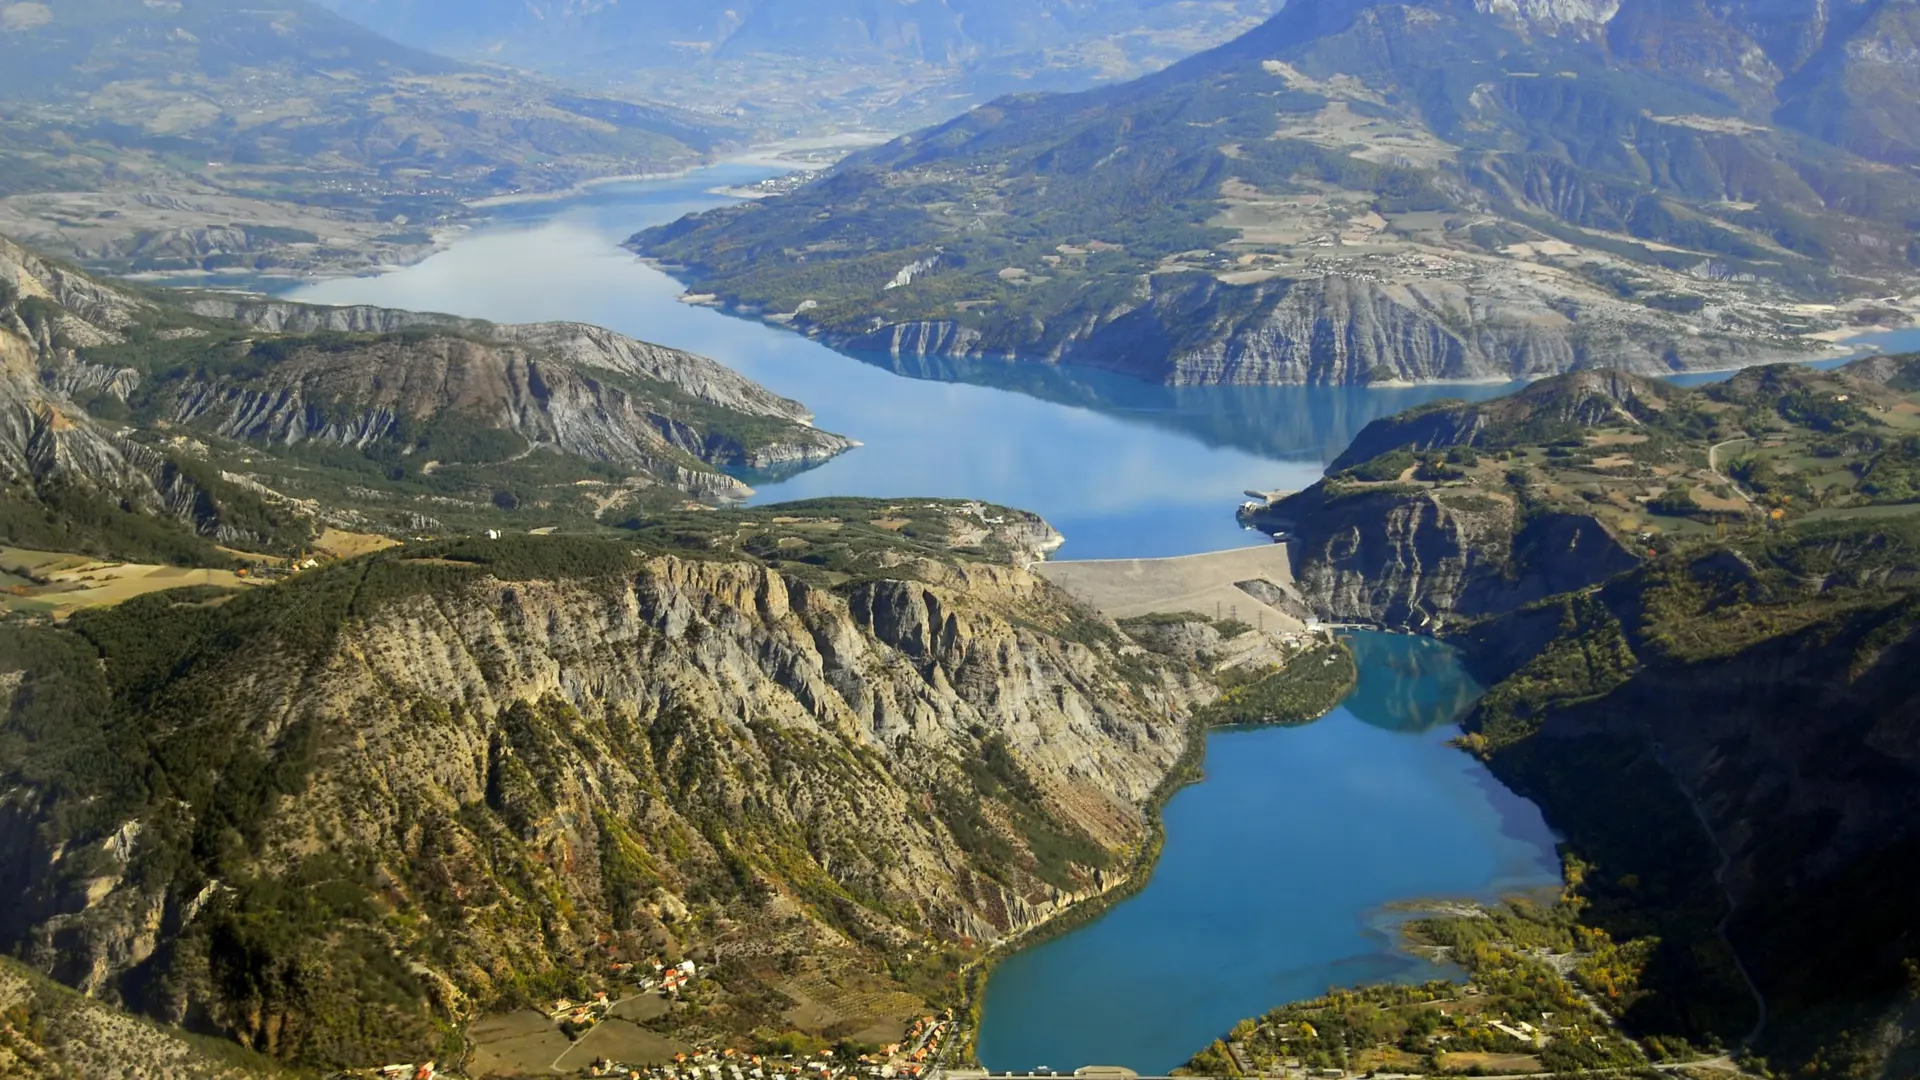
591	748
798	66
1694	611
1348	193
221	135
173	406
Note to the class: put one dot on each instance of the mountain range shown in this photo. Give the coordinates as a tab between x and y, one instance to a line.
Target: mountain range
1362	191
803	63
221	135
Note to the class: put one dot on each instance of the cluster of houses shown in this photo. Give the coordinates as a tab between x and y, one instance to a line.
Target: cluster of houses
577	1017
912	1057
925	1037
674	979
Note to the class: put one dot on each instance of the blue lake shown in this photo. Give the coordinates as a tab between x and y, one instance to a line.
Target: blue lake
1276	875
1279	870
1122	468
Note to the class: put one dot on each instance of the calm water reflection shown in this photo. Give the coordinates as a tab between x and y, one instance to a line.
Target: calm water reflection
1408	683
1278	870
1275	876
1121	467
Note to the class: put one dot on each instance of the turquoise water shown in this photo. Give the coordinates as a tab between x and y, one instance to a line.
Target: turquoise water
1122	468
1277	869
1275	878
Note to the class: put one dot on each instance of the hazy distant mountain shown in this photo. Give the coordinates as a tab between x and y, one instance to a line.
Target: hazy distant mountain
1361	190
933	31
128	126
783	59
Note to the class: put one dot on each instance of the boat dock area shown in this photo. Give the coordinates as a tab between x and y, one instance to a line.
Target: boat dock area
1207	584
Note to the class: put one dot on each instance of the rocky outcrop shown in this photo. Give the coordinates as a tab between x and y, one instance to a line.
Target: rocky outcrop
1421	558
580	389
919	339
389	383
49	1031
525	769
25	275
47	441
575	343
389	389
1195	330
1585	399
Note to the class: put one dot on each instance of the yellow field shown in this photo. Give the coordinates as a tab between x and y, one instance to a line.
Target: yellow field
1490	1063
346	545
59	584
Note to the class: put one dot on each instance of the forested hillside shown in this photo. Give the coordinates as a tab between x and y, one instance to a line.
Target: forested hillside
1695	612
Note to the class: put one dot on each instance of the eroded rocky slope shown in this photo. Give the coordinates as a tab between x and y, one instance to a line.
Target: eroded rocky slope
186	409
1694	613
1455	510
1400	534
336	818
48	1031
1422	558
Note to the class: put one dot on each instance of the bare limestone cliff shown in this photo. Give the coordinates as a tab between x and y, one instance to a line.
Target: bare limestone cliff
1193	330
1452	511
360	807
1422	558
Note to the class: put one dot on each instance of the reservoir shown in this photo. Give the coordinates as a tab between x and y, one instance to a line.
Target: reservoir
1276	876
1279	869
1122	468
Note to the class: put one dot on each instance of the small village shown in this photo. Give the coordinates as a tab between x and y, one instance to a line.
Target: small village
914	1056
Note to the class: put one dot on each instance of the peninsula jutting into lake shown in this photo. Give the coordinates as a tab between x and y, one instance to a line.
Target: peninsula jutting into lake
923	539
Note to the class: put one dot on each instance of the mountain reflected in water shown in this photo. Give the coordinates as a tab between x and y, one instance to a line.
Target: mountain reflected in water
1409	683
1287	422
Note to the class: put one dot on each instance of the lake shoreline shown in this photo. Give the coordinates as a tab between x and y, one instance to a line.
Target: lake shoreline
1037	1018
1187	769
1124	468
1820	349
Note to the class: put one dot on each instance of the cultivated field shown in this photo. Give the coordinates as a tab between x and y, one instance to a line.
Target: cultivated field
59	584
